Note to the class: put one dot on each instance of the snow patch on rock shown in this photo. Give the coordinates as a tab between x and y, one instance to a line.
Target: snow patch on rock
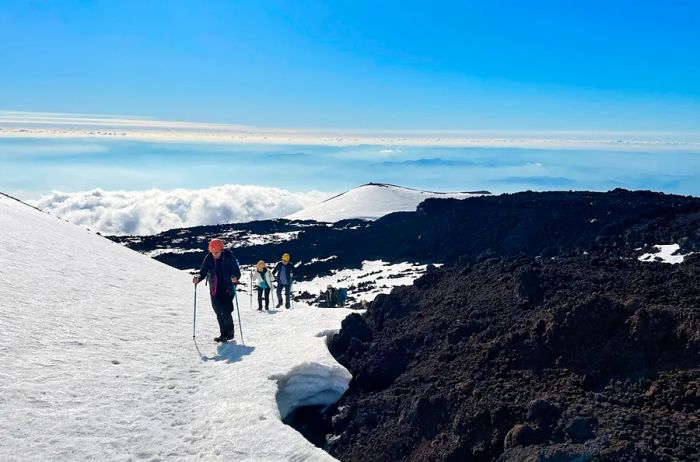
666	253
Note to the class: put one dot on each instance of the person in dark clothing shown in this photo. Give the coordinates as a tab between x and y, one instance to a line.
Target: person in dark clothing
263	281
332	297
221	271
284	273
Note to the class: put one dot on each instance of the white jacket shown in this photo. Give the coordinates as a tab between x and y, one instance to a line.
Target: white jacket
259	278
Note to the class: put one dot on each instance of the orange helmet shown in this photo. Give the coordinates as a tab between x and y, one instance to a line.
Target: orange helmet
216	245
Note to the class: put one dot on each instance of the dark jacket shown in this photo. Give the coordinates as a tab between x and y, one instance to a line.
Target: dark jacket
230	269
288	268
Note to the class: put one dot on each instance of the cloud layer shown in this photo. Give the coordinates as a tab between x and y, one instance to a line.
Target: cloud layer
153	211
15	124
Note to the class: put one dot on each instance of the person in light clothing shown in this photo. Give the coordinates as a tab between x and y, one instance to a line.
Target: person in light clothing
263	281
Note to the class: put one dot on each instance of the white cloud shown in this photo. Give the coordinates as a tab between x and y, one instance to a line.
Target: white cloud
71	126
155	210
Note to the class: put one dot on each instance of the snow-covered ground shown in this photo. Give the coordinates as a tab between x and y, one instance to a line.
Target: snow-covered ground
236	238
249	240
666	253
370	202
376	277
155	253
98	360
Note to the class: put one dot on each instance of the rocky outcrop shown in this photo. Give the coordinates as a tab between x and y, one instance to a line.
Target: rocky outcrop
526	359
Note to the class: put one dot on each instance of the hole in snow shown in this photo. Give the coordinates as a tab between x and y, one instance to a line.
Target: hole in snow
305	393
327	334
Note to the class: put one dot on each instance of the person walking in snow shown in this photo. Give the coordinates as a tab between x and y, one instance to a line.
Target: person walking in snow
221	271
263	280
283	273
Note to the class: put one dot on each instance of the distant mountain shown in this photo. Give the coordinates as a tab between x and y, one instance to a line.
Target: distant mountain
372	201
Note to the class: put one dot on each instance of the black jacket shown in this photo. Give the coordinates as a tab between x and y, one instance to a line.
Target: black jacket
231	269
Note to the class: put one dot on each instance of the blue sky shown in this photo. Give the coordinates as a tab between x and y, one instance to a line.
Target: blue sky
597	67
593	65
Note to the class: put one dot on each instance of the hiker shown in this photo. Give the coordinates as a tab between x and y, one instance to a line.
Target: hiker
283	273
263	281
222	273
331	296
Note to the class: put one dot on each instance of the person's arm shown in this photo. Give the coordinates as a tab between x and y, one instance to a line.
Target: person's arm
203	270
276	269
235	270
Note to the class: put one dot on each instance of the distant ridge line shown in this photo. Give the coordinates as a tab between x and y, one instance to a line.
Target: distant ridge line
23	203
385	185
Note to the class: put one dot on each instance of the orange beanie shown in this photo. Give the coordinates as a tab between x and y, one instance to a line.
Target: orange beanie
216	245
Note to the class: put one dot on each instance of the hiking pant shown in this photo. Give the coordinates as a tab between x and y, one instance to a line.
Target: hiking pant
266	292
223	307
286	293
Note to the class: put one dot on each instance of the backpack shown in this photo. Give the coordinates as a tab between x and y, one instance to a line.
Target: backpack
342	295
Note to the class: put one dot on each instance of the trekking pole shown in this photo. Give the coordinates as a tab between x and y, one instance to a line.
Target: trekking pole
194	314
272	290
251	287
238	309
291	291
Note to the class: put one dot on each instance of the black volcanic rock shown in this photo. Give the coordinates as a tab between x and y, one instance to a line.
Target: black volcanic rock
520	359
545	224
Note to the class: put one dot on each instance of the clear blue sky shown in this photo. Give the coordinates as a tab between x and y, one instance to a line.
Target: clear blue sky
576	65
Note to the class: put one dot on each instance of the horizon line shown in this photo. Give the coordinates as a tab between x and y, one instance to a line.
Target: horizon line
59	125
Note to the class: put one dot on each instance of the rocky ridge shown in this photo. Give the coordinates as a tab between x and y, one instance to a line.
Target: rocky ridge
579	358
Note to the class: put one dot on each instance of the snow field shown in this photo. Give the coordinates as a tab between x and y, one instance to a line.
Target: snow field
99	362
383	277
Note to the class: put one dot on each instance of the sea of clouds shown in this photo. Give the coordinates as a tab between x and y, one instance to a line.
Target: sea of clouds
155	210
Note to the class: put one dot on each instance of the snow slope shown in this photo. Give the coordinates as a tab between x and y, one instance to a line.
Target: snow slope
370	202
98	361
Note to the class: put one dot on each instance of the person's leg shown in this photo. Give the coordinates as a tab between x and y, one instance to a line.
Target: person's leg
279	294
287	295
227	316
260	296
215	304
267	298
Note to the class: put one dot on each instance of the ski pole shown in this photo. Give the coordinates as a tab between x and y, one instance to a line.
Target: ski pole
272	290
238	309
194	314
291	291
250	273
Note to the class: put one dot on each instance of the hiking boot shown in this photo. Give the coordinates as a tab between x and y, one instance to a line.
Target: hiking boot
230	337
278	305
260	308
220	338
